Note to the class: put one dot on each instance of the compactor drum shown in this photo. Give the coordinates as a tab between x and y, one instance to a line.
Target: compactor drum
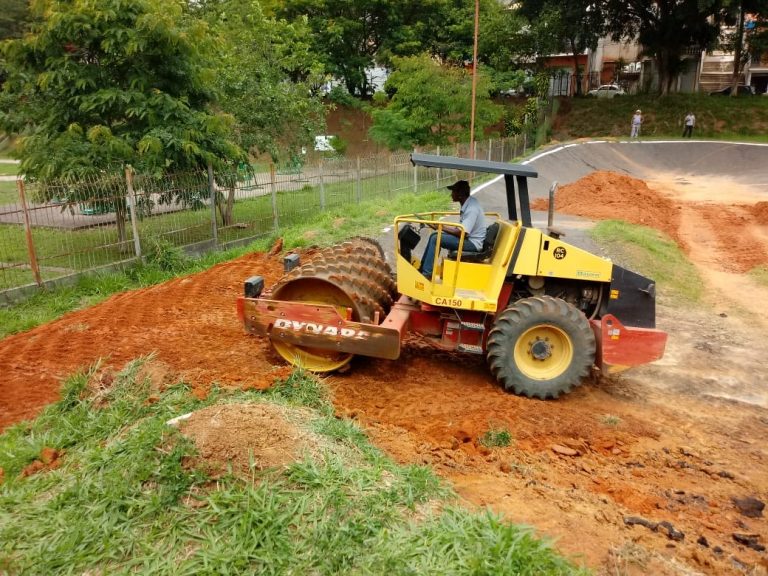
544	313
353	278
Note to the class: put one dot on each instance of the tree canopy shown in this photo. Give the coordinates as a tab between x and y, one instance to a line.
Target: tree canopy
431	105
750	37
354	35
267	76
578	24
97	84
666	30
14	18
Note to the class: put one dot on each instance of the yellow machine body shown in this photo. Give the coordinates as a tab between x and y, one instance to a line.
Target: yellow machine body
518	250
541	311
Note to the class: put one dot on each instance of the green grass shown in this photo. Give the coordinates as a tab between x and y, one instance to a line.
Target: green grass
9	169
743	118
8	191
610	420
496	438
650	253
126	499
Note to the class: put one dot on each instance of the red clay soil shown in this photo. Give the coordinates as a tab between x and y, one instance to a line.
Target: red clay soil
612	471
760	212
605	195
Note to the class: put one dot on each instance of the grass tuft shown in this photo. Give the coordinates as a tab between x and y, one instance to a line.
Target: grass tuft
301	389
610	420
651	254
496	438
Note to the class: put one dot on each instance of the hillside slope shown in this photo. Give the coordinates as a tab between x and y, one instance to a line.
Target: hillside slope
716	117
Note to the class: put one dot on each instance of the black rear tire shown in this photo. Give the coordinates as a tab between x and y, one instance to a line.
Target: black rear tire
541	347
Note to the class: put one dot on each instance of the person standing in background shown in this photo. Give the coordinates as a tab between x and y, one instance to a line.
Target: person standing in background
689	122
637	121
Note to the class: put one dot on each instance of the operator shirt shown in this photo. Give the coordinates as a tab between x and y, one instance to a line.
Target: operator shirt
472	218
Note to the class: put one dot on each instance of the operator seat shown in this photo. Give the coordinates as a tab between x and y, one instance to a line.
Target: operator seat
490	239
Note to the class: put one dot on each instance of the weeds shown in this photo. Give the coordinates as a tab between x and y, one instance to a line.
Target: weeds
496	438
164	255
610	420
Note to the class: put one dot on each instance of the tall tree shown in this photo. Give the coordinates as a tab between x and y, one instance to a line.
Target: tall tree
99	84
431	104
738	12
348	33
353	35
666	29
500	28
266	72
579	23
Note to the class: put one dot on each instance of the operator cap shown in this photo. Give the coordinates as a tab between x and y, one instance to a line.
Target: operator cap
638	111
460	186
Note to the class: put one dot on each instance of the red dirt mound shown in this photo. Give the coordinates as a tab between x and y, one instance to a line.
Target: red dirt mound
189	323
245	438
760	211
718	235
605	195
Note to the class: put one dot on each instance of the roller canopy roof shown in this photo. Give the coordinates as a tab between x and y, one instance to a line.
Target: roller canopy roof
452	163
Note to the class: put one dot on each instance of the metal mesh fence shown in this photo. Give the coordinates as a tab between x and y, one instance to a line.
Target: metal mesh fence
68	228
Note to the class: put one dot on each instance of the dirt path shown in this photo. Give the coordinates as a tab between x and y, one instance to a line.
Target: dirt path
725	237
673	443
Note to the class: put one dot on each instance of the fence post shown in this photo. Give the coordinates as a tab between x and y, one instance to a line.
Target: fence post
525	141
212	195
28	233
415	178
437	187
358	183
322	185
502	140
273	188
132	211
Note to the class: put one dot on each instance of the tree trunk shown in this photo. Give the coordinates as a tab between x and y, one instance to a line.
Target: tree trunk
738	48
576	67
226	208
667	62
661	64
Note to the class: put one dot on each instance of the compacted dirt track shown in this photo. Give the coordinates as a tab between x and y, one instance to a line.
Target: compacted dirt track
657	471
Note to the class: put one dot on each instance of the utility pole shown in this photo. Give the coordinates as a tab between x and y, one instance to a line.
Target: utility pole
474	83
